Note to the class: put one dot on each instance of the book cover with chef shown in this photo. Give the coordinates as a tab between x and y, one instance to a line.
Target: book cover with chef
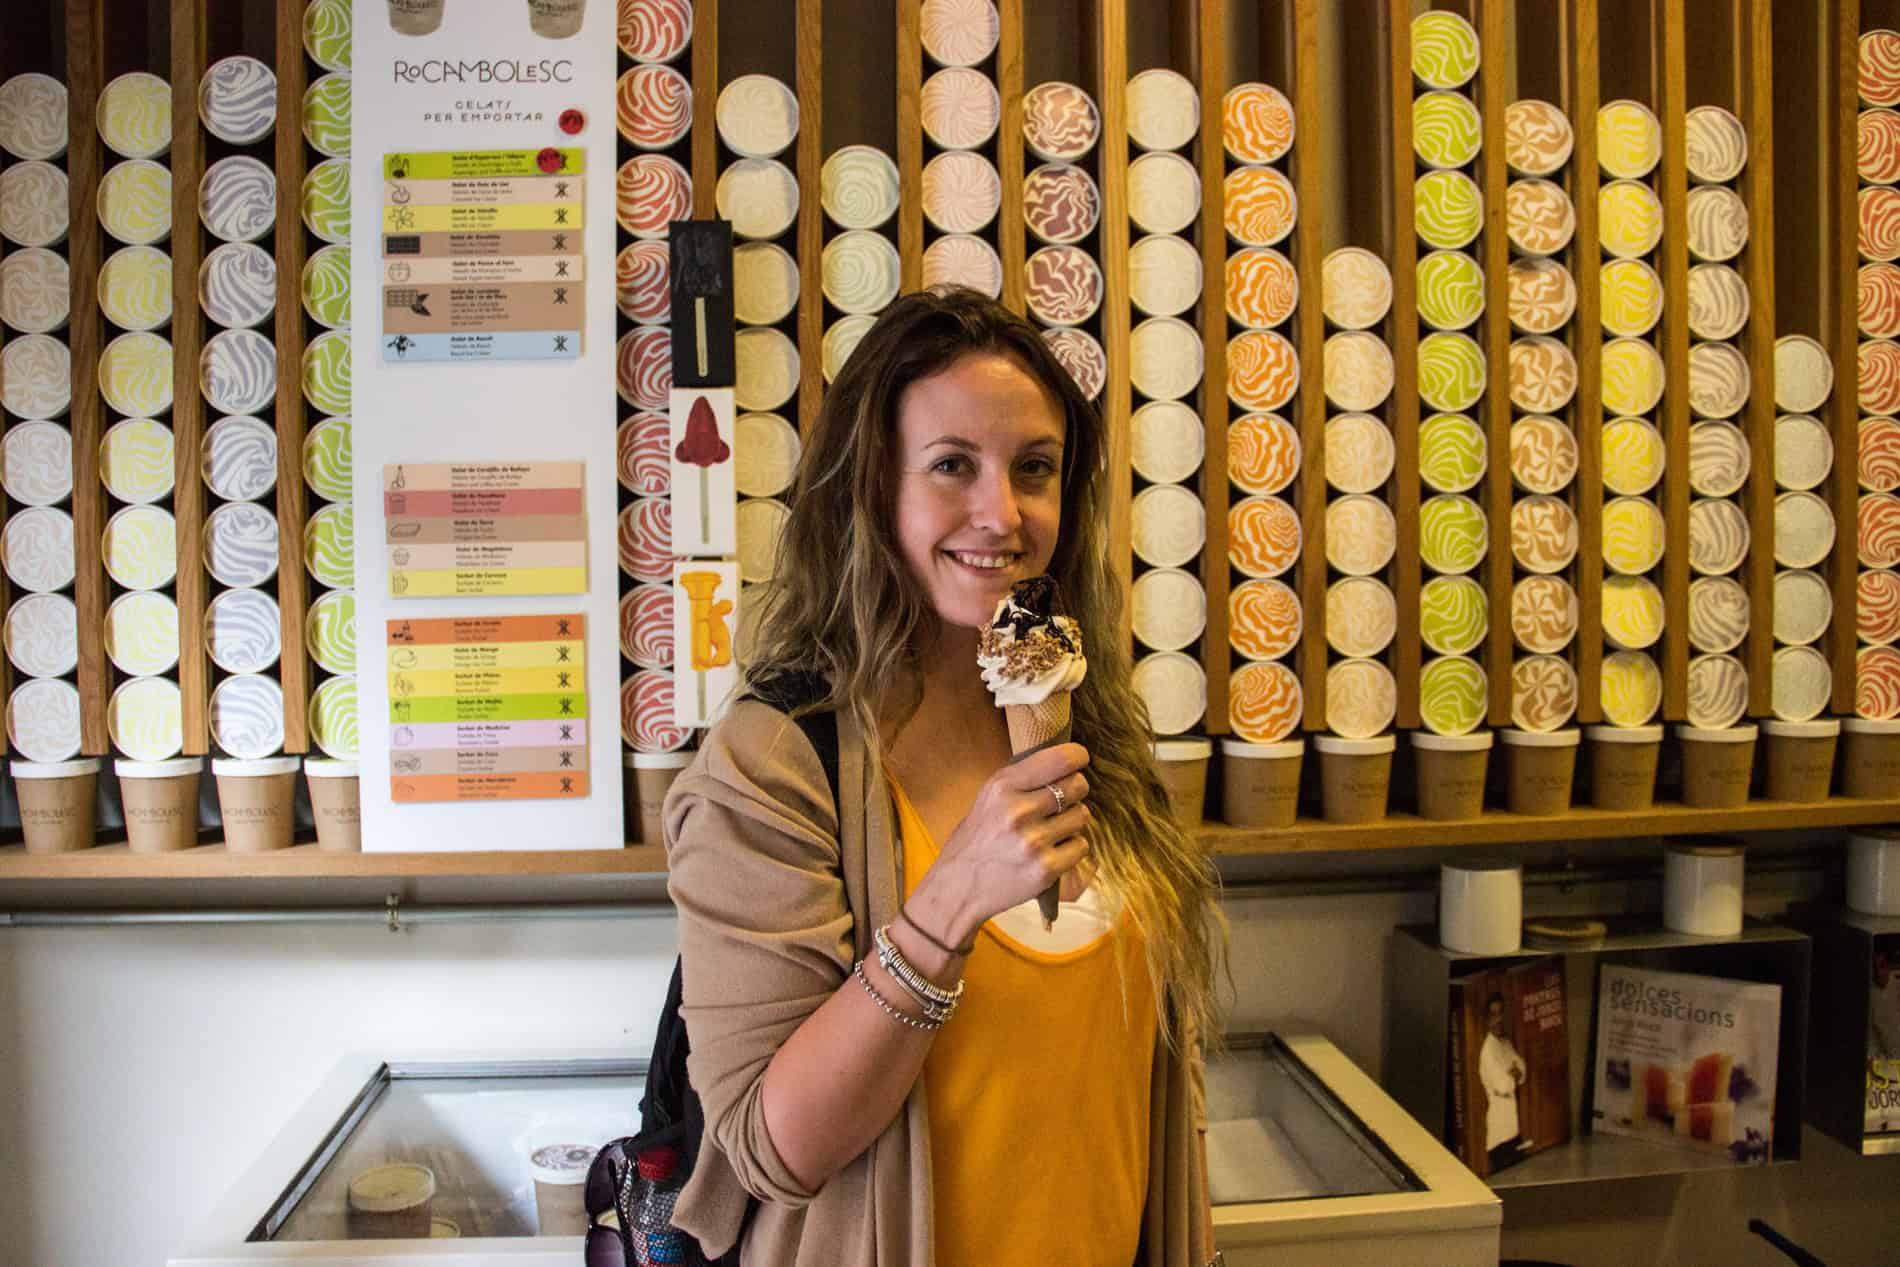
1883	1038
1687	1061
1509	1064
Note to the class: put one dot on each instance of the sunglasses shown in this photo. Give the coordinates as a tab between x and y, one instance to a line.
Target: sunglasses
618	1234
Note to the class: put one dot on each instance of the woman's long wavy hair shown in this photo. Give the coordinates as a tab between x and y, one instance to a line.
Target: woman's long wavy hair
846	608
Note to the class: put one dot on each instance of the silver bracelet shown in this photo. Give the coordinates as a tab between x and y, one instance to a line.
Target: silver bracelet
857	970
939	1004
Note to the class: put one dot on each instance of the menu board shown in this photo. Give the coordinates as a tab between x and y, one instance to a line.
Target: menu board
485	709
483	258
482	157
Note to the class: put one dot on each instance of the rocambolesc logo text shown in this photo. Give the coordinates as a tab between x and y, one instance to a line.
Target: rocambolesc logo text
438	70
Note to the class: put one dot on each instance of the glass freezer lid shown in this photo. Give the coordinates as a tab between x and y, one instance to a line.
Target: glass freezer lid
1276	1133
492	1149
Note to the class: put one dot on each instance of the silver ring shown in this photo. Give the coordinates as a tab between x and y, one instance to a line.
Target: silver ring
1056	792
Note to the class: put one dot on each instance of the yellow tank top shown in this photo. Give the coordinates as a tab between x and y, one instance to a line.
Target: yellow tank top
1039	1093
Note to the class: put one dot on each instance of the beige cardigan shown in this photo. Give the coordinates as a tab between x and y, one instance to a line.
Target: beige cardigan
766	877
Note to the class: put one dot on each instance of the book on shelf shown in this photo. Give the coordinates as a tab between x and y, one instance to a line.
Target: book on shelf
1687	1061
1508	1064
1883	1038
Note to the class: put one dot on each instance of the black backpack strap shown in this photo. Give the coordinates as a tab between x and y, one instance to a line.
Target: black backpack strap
789	692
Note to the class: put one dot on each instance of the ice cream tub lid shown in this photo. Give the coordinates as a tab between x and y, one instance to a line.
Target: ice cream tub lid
1516	738
1825	728
1710	847
329	768
1262	751
177	767
1183	749
257	768
1624	734
382	1189
1340	746
1870	726
562	1163
1478	865
658	760
54	769
445	1229
1475	742
1711	734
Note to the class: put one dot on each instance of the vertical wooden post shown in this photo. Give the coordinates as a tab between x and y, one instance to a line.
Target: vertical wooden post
809	24
910	144
189	56
1400	249
1672	74
1210	75
1493	97
1840	332
1011	242
705	105
85	76
1310	179
293	587
1580	103
1111	80
1753	45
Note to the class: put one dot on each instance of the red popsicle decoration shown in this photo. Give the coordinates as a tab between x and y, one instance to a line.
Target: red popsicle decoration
702	447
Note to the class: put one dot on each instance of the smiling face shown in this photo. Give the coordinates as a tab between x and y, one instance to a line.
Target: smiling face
979	498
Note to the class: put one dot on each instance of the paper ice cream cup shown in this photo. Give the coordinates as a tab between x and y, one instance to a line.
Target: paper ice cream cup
1800	758
1717	764
257	800
1623	762
336	804
649	776
1540	768
392	1201
1260	782
56	803
1451	773
160	800
1870	757
1182	764
1355	777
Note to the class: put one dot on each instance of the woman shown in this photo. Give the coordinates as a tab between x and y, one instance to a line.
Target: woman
1055	1118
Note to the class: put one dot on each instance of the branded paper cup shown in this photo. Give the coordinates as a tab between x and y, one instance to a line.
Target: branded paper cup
1873	872
1451	771
1702	889
56	803
1716	765
1623	763
1541	766
1870	757
392	1201
1800	758
336	803
1260	782
160	799
1355	777
648	776
1481	907
1182	764
256	800
560	1177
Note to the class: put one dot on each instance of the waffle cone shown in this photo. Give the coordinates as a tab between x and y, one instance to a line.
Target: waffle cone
1036	726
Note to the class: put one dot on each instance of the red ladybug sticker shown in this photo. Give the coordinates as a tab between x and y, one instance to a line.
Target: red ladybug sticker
550	160
572	121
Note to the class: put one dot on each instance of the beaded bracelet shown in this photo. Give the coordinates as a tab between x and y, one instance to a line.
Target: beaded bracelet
938	1004
857	970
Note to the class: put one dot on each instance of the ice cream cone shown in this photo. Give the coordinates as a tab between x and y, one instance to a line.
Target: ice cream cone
1033	727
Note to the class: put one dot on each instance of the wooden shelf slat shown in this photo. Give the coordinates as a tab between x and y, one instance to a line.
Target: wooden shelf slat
85	76
291	161
910	144
1011	239
1494	42
1400	250
1310	181
809	20
1209	71
1582	98
1395	832
1753	47
1111	86
705	104
1674	188
190	55
1839	332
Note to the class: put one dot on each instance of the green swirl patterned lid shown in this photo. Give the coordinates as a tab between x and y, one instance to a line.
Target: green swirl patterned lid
1453	614
330	630
1450	290
333	717
327	465
326	115
1451	372
1447	209
326	372
326	287
326	33
1451	453
329	546
1452	534
1451	695
326	200
1444	49
1447	130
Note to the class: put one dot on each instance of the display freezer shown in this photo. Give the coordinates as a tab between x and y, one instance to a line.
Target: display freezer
1309	1162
